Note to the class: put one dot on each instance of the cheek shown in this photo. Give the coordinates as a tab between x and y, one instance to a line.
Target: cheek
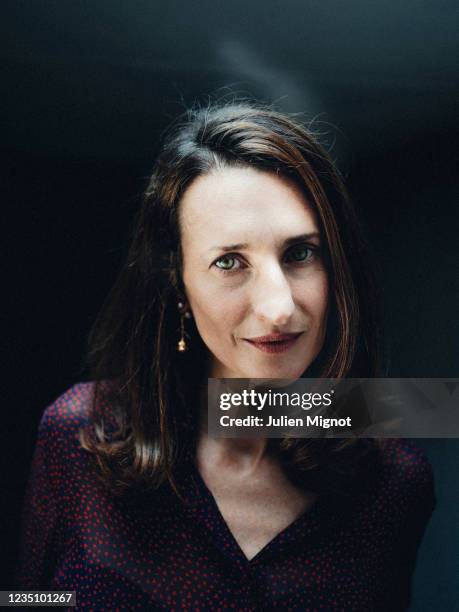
216	316
315	299
322	301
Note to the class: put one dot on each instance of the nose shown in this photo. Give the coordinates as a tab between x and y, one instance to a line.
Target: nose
272	300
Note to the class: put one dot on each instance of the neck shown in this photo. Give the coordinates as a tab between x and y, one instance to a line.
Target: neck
245	454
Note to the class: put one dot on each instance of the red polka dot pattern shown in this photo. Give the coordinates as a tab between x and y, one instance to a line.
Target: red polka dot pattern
161	554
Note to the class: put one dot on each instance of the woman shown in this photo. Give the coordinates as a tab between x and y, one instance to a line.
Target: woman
246	261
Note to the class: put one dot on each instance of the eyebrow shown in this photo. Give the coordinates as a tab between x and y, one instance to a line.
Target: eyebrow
287	242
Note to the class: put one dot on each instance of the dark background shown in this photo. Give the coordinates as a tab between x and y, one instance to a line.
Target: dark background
88	87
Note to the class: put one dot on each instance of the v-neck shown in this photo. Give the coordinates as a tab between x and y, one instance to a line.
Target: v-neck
204	509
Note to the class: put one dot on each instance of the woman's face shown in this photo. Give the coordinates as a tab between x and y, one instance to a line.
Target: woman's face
253	273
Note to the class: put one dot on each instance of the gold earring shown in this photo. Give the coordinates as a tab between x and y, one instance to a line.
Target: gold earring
182	345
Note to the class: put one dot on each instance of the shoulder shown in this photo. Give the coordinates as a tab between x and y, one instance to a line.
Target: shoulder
69	411
72	411
407	472
59	454
402	458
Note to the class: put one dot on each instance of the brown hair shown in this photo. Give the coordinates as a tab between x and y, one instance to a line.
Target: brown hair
150	418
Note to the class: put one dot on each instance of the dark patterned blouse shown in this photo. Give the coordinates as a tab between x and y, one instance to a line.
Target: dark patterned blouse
163	554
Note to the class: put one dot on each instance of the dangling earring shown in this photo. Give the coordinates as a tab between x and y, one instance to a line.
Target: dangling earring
182	345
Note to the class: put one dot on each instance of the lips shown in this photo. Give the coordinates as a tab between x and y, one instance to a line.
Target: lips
274	343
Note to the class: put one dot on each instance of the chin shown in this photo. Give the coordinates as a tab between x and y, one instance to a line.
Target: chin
288	373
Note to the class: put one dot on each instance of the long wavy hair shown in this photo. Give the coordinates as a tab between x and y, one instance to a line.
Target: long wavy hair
145	408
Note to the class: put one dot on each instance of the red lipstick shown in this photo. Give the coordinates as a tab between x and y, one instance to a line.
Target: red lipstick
274	343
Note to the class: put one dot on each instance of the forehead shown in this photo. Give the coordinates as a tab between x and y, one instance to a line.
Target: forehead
243	205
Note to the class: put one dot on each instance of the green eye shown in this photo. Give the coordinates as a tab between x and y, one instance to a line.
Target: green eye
300	253
226	263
